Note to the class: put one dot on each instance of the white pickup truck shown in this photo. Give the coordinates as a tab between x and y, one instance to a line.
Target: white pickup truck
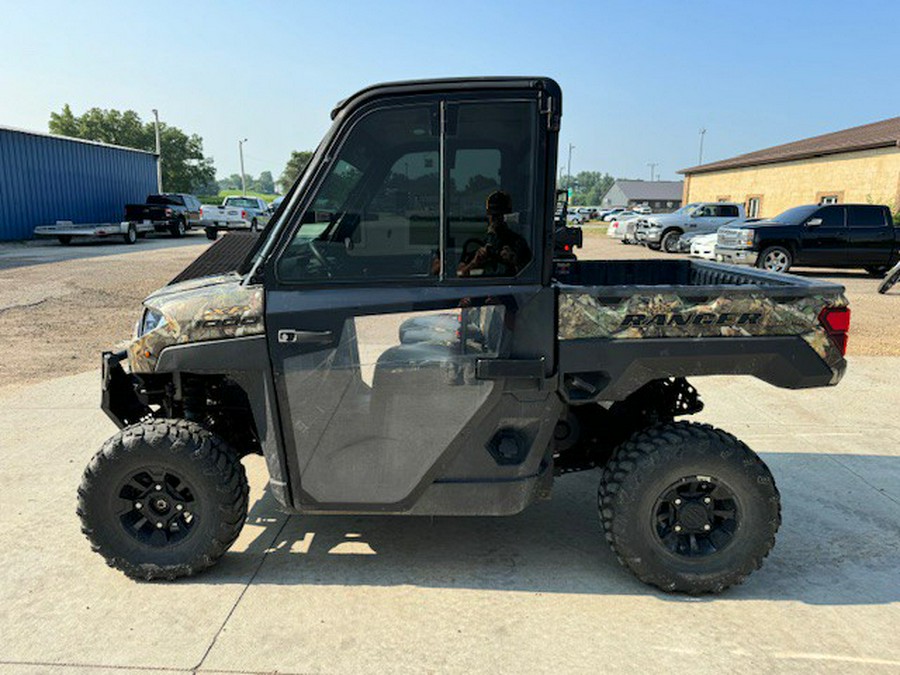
235	213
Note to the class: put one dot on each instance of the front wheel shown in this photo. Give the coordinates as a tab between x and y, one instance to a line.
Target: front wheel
65	239
669	242
163	499
775	259
891	278
688	508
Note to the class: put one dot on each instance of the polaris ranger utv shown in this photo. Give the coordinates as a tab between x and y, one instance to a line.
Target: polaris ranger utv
400	340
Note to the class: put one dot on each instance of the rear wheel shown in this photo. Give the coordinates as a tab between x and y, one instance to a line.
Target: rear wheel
65	239
254	226
178	229
130	235
669	242
212	233
689	508
775	259
877	271
163	499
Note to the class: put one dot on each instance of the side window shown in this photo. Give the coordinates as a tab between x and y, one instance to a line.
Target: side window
865	216
832	216
377	212
490	211
728	211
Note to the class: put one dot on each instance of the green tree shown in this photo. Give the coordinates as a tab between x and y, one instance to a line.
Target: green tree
295	165
265	183
184	166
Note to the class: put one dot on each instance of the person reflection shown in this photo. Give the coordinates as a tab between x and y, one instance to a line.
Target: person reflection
503	253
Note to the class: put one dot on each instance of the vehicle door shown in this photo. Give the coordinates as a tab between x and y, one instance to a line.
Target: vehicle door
823	237
193	209
378	345
702	219
871	235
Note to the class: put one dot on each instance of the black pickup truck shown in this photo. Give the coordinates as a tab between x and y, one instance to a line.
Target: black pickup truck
404	339
175	213
833	235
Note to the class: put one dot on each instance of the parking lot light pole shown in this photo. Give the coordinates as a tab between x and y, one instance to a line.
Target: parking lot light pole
702	134
652	166
158	153
243	180
569	169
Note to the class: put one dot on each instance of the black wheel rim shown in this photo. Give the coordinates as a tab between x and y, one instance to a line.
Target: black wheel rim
157	507
695	517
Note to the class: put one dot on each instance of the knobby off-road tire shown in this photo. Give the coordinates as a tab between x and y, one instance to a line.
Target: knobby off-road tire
687	464
202	503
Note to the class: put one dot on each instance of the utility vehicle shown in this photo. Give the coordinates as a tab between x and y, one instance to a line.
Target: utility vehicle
401	340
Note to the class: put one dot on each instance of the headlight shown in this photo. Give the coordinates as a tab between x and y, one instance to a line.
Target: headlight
745	237
151	320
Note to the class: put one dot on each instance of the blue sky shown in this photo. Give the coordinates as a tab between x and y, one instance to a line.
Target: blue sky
639	78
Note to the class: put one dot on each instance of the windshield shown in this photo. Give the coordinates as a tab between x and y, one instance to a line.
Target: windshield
795	215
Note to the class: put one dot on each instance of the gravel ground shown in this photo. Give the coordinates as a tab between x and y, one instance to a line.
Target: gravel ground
56	317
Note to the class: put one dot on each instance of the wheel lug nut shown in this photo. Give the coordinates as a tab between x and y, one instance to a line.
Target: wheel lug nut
677	502
707	527
137	505
158	488
159	526
707	500
678	528
179	507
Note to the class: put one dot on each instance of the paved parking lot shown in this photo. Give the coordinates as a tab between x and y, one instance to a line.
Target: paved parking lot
537	592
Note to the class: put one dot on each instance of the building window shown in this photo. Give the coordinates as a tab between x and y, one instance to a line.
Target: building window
753	207
832	197
829	199
668	205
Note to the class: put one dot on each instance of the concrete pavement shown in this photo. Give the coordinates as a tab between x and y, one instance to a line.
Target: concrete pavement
538	592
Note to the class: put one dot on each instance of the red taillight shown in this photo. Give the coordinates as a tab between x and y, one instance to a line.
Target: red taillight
244	215
836	321
566	247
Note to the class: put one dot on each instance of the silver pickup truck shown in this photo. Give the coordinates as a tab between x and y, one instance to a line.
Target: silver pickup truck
235	213
664	230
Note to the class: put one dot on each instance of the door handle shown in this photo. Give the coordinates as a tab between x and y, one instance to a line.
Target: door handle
287	336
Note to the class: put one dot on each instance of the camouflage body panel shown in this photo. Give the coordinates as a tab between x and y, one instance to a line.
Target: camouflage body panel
215	308
668	315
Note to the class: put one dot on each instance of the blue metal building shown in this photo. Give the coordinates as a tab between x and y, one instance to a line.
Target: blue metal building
45	178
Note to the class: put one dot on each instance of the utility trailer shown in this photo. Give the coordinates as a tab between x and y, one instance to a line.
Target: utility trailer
65	231
404	339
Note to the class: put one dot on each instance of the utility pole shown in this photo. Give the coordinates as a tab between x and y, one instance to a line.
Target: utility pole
158	154
652	166
702	134
243	179
569	170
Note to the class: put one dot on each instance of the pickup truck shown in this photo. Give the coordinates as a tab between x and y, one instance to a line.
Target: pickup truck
401	340
833	235
175	213
664	230
235	213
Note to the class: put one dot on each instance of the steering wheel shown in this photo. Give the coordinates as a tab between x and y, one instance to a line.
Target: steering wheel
317	254
478	243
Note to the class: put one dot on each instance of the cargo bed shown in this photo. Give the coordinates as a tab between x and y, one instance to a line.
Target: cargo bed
624	323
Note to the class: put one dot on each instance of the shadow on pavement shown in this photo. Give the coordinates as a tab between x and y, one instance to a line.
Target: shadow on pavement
838	543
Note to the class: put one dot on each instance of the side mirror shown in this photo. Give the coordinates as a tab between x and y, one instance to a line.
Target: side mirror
813	222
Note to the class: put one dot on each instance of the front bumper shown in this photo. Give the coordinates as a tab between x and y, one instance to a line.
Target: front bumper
651	235
736	256
119	395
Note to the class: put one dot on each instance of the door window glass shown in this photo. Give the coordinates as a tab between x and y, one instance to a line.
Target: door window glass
490	204
377	213
865	216
832	216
